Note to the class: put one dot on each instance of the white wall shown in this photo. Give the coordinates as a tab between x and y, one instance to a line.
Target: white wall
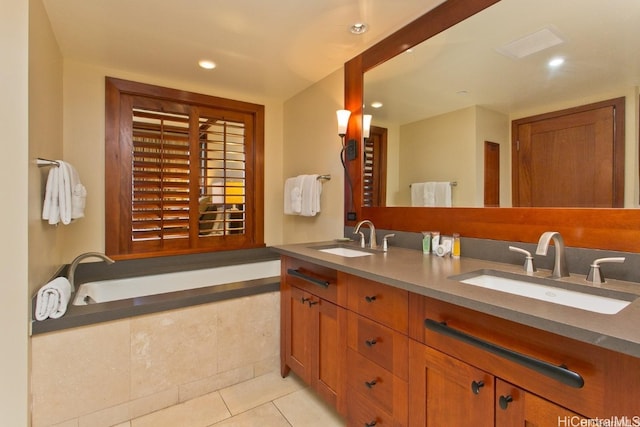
14	38
311	145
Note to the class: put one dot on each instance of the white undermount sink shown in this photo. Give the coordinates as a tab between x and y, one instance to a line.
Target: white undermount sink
342	250
567	294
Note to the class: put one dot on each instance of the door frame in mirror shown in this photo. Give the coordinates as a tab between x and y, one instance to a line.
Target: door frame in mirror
612	229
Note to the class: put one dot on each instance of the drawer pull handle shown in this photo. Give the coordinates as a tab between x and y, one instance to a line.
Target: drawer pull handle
311	303
307	278
370	298
476	386
558	373
370	343
504	401
303	300
371	383
370	424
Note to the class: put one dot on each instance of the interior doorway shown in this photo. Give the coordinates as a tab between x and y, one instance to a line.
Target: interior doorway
570	158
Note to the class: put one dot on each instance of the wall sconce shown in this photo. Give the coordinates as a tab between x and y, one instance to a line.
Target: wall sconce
366	125
343	122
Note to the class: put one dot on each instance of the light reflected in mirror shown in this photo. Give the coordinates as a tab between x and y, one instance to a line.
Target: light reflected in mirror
460	89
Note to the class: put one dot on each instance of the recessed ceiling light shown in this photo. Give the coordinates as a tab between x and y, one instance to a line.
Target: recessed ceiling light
556	62
206	64
358	28
376	104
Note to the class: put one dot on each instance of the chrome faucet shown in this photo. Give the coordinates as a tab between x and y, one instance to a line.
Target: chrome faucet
372	232
74	264
560	265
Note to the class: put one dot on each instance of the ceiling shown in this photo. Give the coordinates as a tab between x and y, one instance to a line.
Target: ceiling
466	65
271	49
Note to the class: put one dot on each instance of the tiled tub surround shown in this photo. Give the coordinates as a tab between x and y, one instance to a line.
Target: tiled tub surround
111	372
104	364
98	271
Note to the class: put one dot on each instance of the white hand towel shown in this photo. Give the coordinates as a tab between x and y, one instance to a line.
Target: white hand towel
430	194
443	194
65	196
417	194
296	195
48	194
311	188
51	208
78	193
53	298
289	185
64	192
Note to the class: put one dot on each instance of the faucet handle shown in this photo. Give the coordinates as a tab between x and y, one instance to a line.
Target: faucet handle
385	243
595	276
529	268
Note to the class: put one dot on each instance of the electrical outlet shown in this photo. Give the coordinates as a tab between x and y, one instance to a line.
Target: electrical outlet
351	216
352	149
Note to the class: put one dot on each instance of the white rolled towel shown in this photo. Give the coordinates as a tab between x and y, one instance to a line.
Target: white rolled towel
53	298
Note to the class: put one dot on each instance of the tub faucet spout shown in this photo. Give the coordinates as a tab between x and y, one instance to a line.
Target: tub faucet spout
76	261
560	265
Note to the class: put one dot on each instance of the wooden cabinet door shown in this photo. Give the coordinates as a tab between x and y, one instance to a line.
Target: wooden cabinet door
298	330
516	407
444	391
328	351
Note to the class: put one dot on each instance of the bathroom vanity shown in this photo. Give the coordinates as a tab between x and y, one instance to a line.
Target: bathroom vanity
397	339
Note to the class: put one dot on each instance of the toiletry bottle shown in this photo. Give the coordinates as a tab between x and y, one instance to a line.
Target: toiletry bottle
426	242
455	250
435	241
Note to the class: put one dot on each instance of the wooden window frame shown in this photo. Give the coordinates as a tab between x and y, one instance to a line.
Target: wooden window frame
118	172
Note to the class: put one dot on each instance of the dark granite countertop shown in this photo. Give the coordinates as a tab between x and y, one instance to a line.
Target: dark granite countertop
429	275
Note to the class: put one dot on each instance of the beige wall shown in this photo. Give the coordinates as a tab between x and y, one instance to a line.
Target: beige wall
494	127
440	148
14	37
45	140
312	145
84	148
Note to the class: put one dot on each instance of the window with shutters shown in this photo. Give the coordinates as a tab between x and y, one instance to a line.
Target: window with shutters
183	171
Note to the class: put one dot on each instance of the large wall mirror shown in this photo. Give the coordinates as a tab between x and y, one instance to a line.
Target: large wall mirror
445	98
419	91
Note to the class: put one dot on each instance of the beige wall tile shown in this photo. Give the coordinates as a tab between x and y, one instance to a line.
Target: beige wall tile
200	412
79	371
266	366
248	330
172	348
215	382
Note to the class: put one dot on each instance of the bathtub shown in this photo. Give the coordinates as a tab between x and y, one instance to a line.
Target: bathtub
120	289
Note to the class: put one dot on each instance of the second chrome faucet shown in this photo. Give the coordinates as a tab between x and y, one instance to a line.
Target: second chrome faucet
560	268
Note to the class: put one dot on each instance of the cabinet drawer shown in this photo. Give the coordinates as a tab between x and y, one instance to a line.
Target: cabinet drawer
487	333
376	384
382	303
363	412
380	344
313	278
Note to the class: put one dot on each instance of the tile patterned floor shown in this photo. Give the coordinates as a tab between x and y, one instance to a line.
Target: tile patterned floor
266	401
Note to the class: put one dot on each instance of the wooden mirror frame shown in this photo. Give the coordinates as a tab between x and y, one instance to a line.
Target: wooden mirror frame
611	229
